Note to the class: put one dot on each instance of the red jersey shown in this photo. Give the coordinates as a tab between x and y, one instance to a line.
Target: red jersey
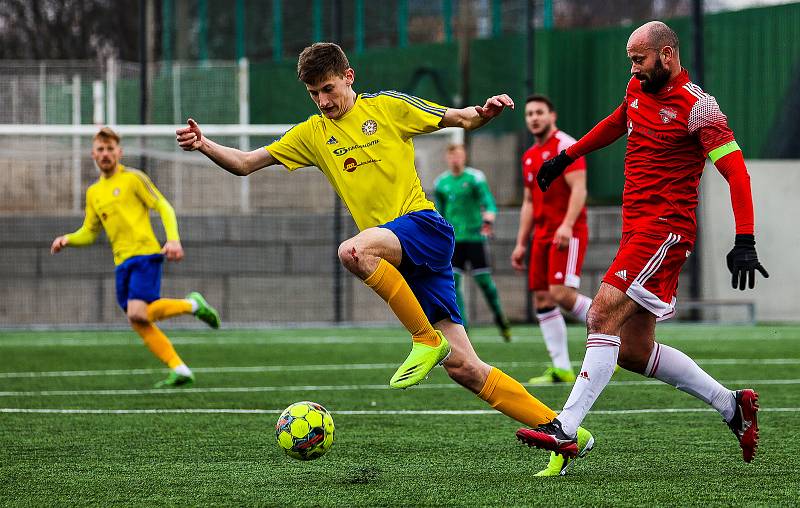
549	208
670	134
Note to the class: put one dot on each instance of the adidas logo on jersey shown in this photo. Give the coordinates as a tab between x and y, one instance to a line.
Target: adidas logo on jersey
332	141
622	274
635	104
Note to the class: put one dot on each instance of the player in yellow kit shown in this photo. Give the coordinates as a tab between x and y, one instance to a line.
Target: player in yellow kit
363	145
120	202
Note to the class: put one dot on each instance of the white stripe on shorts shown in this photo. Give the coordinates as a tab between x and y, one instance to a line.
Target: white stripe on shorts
654	263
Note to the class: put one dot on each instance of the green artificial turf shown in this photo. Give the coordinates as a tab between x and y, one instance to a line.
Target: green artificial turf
393	448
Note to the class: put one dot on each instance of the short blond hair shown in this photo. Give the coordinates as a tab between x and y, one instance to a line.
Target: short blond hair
106	134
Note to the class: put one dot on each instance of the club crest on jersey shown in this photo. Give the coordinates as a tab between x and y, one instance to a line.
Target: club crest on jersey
545	155
369	127
667	115
332	141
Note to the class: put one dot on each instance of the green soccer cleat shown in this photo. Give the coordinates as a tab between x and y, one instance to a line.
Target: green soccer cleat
419	363
205	312
175	380
553	375
558	463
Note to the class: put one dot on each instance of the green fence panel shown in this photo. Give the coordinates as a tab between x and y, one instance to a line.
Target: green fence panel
753	57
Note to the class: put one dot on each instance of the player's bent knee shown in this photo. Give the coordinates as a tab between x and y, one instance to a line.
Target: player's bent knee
562	295
136	318
349	255
596	319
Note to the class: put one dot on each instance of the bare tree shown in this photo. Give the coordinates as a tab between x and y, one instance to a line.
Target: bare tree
68	29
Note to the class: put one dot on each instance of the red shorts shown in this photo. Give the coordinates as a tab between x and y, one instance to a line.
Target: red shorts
551	266
647	267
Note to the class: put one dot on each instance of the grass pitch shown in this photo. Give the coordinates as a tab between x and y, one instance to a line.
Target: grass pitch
80	424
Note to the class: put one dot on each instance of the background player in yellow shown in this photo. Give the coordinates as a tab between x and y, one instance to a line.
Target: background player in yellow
120	202
363	145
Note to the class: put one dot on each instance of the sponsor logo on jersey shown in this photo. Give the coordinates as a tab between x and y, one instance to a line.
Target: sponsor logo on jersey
584	375
369	127
622	274
635	104
332	141
115	192
630	127
344	150
350	164
667	115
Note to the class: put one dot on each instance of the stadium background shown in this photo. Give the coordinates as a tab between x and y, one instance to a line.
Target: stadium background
263	248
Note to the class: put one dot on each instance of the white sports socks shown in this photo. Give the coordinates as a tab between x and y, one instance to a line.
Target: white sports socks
581	307
673	367
596	371
554	331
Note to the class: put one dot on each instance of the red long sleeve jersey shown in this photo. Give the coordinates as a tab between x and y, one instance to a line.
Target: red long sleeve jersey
670	134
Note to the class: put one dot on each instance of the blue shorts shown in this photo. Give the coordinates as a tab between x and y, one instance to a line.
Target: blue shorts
139	278
428	241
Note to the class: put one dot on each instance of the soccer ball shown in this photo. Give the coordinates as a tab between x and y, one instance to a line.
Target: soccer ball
305	430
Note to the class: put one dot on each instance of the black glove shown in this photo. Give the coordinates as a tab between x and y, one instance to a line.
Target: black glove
551	169
743	262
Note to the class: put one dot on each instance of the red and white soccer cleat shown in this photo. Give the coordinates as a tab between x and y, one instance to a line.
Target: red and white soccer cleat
744	423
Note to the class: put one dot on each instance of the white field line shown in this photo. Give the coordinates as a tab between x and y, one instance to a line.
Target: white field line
335	388
339	367
362	338
433	412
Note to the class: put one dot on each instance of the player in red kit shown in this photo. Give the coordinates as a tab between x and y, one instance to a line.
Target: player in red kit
557	220
672	126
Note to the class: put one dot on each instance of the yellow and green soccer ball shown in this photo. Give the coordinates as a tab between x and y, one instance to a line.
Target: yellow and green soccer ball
305	430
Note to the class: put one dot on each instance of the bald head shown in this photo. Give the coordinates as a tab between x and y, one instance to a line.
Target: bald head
653	52
654	35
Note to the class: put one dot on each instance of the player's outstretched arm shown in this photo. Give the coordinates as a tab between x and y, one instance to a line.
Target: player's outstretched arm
473	117
232	160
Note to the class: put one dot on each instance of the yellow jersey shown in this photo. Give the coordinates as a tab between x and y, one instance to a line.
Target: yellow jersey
367	154
121	204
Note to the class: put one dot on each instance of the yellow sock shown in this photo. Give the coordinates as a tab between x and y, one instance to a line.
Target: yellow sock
158	343
164	308
509	397
392	287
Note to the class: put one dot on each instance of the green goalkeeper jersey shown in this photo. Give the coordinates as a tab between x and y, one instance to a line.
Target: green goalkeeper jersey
462	199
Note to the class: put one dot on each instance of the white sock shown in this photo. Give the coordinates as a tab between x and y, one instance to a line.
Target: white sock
183	370
581	307
194	304
554	330
598	366
673	367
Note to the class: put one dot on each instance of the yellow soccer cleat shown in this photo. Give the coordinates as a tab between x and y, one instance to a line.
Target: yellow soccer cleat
553	375
419	363
558	463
